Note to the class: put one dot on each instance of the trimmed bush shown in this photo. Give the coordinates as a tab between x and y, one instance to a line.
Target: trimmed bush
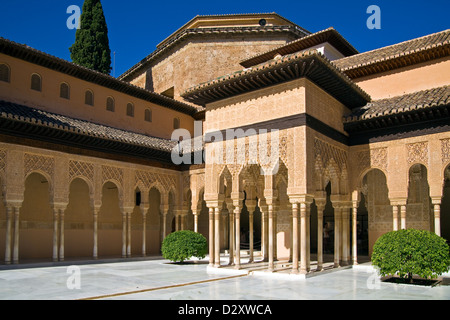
411	252
182	245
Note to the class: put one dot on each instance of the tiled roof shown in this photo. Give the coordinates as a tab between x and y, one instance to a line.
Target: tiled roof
414	51
421	100
329	35
19	113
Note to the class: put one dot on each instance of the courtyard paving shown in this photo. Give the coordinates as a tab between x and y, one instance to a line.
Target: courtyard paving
158	279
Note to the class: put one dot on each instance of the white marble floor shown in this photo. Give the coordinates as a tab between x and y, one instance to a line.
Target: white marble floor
161	280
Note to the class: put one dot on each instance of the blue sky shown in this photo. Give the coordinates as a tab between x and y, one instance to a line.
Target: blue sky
137	26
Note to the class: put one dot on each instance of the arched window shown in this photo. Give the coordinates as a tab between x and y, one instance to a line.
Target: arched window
176	123
130	110
110	105
89	98
148	115
36	82
4	73
64	91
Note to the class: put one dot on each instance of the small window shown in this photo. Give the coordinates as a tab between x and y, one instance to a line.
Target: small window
110	105
148	115
36	82
64	91
89	98
130	110
4	73
176	123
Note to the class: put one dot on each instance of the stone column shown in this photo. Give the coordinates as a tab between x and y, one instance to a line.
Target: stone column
231	235
303	235
16	235
337	233
237	217
211	236
437	216
403	216
164	208
264	231
395	217
95	249
9	218
144	209
129	234
355	232
195	214
320	208
55	233
217	237
295	244
61	235
251	206
271	237
124	234
345	234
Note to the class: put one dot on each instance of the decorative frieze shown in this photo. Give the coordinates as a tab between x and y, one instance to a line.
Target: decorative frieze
445	150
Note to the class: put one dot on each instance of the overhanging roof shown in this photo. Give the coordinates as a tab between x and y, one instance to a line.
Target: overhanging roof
309	64
22	121
329	35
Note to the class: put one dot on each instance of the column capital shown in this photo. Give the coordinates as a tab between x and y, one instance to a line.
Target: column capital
301	198
398	201
436	200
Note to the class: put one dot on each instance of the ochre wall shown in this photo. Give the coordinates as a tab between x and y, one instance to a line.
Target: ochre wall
427	75
18	91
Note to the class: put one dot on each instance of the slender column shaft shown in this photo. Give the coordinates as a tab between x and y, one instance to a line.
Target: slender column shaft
61	235
271	238
265	240
231	236
9	217
308	238
217	238
237	217
303	225
320	209
295	238
403	216
437	219
16	236
124	234
355	233
55	234
129	234
95	249
195	214
395	217
144	234
250	216
211	236
345	229
337	232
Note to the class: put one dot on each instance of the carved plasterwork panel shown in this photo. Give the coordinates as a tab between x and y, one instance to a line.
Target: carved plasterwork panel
445	150
418	152
112	173
33	162
81	168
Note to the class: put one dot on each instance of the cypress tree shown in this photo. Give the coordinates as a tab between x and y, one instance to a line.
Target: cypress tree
91	47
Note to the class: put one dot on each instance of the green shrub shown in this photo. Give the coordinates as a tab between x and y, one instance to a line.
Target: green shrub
182	245
411	252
